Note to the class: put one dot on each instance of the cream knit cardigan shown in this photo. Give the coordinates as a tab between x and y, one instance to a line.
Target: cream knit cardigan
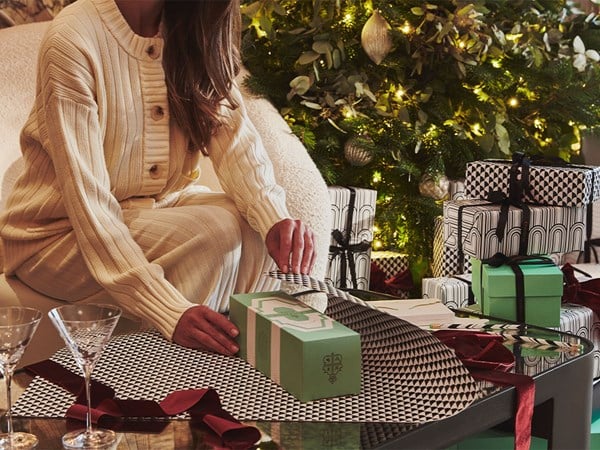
99	139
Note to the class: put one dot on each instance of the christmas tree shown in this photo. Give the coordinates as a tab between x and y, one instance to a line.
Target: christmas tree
399	95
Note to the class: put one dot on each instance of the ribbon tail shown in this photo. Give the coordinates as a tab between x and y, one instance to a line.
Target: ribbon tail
525	388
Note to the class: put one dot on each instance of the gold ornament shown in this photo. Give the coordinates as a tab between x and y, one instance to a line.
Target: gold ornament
356	152
435	186
375	37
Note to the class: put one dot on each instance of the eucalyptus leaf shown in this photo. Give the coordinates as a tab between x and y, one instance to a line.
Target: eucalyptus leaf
307	57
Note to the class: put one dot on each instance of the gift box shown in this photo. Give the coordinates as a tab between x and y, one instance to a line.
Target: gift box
574	319
571	185
495	290
456	190
470	226
388	270
446	261
353	211
307	353
454	292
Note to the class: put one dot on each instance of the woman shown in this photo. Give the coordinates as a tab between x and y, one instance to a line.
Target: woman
130	93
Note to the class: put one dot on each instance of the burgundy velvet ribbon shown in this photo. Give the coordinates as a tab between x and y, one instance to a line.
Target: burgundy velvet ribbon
586	293
201	404
379	282
487	359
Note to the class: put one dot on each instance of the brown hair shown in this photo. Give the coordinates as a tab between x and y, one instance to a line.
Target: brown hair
201	59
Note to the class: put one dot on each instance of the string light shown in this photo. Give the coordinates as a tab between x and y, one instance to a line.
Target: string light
513	102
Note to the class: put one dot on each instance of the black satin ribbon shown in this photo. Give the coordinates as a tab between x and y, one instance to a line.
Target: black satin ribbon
346	250
518	187
554	161
470	296
515	263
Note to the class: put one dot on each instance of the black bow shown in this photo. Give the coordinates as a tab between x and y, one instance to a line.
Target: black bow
345	249
517	189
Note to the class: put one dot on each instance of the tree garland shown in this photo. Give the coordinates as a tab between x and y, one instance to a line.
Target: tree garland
399	95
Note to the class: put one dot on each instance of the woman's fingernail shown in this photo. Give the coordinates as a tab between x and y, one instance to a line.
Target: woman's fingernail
284	269
233	332
234	348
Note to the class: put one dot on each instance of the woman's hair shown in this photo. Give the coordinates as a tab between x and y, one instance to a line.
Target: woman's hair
201	59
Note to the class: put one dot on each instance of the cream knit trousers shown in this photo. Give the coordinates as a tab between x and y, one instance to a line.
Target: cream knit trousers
206	249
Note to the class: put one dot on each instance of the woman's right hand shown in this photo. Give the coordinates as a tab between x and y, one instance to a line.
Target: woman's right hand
204	329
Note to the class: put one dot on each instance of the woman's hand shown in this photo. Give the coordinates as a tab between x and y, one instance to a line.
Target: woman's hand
204	329
292	245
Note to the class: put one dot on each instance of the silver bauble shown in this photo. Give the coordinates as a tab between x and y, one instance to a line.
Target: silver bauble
436	186
356	153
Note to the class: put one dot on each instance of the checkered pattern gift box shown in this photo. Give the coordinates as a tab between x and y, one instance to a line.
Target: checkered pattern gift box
446	261
454	292
390	274
538	182
475	228
352	233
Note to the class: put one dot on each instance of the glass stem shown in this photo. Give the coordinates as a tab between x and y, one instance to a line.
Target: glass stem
87	374
8	380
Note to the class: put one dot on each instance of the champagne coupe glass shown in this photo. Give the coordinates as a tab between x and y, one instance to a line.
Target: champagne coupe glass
86	329
17	325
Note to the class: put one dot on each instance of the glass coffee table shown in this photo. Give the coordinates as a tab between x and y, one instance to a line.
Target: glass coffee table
562	414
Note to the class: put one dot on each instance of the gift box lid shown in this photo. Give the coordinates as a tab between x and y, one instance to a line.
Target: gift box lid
539	280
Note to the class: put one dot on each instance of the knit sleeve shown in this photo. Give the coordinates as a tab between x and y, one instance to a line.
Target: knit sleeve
71	133
245	170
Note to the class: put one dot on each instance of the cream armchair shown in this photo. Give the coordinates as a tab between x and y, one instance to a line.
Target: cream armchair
308	198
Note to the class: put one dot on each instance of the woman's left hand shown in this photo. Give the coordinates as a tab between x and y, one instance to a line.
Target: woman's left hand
292	245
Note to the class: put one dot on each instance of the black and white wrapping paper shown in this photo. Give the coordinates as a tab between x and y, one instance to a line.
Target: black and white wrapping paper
574	319
391	264
446	261
457	190
549	185
408	376
354	206
452	291
553	229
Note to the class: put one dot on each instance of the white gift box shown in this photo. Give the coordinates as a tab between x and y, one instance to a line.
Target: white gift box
470	226
454	292
352	233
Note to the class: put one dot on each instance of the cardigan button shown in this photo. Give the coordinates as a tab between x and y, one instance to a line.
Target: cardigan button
154	171
158	112
152	52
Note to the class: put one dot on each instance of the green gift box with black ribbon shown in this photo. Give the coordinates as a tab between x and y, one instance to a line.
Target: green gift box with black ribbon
525	289
306	352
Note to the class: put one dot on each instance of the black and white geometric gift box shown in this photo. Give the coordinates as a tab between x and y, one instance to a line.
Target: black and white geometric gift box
446	261
552	229
454	292
456	190
391	264
549	185
574	319
353	212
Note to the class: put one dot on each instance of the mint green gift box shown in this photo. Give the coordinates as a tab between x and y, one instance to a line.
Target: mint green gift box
495	288
307	353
